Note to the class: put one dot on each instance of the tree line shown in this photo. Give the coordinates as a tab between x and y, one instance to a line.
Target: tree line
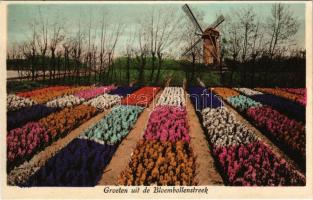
248	42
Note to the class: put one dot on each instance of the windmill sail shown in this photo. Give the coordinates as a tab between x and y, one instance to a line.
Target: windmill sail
191	16
217	22
192	46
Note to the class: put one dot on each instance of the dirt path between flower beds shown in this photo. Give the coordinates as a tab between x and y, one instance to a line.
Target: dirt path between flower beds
206	173
123	153
22	172
272	146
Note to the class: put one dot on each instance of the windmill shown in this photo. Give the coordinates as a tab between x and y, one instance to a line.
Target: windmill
210	37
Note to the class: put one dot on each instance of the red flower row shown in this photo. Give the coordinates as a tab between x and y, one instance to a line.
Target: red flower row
141	97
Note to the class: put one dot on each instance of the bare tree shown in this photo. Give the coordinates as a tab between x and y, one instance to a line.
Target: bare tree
282	25
42	42
55	38
129	53
247	26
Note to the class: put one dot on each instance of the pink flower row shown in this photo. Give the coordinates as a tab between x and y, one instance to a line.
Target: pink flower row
88	94
287	131
23	141
255	164
167	123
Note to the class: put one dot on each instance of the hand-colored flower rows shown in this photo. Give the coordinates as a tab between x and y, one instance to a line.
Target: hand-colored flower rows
167	123
65	101
291	109
224	130
41	91
202	98
15	102
80	163
59	123
91	93
160	163
225	92
248	92
242	103
50	95
243	158
293	97
141	97
123	91
20	117
104	101
255	164
172	96
115	126
23	142
31	137
285	130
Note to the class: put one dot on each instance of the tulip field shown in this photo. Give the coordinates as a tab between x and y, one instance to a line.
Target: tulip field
144	135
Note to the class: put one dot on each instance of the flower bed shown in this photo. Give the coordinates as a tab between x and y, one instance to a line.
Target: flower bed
291	109
172	96
124	91
23	142
80	163
167	123
20	117
65	101
115	126
248	92
255	164
60	123
242	103
292	97
160	163
242	157
299	91
50	95
91	93
284	130
224	130
225	92
104	101
15	102
141	97
41	91
202	98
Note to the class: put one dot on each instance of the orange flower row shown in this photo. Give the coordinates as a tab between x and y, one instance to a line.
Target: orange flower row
61	122
283	94
161	163
41	91
49	95
225	92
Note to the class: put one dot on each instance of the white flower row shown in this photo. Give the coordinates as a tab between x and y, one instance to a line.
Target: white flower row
15	102
172	96
104	101
248	92
223	128
65	101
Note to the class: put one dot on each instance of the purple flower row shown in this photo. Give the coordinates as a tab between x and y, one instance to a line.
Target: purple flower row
80	163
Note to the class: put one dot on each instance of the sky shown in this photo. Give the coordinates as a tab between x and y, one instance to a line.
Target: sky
20	15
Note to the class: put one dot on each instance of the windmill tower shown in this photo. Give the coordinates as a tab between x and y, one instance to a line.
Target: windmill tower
210	38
